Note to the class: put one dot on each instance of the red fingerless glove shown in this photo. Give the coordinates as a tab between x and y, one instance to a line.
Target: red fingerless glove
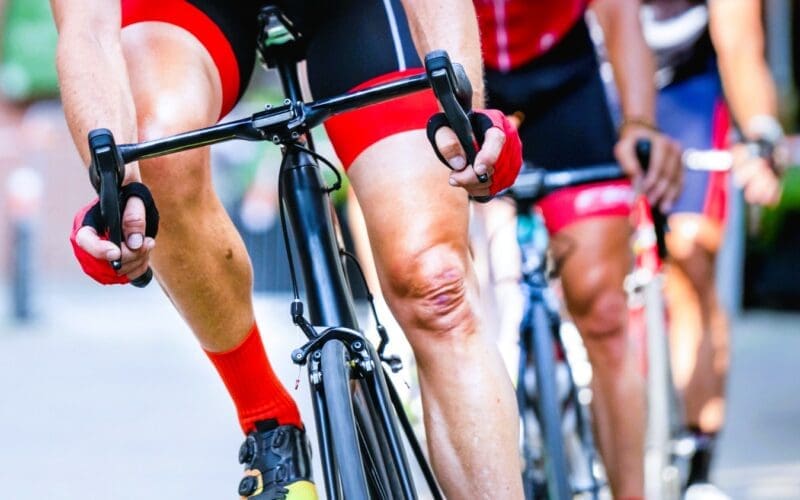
98	269
508	162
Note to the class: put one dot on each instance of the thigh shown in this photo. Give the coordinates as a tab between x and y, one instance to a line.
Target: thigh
408	205
204	46
361	43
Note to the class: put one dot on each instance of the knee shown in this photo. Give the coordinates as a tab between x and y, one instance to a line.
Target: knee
602	320
605	315
430	293
182	179
698	271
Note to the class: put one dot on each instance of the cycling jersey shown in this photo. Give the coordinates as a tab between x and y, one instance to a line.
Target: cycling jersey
348	44
677	31
514	32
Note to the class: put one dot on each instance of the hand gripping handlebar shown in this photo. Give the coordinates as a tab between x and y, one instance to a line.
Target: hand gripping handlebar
454	92
106	174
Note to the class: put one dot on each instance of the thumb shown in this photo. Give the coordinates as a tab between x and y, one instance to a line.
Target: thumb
133	223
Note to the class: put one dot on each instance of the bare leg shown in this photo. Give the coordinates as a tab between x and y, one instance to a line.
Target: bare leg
200	259
698	325
594	256
499	218
418	231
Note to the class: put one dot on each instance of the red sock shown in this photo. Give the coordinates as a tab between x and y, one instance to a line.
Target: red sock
256	391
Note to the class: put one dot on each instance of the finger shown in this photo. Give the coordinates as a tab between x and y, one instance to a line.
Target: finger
479	191
626	157
139	271
133	223
744	173
468	179
134	259
656	194
659	164
91	243
448	145
763	190
493	142
676	179
670	196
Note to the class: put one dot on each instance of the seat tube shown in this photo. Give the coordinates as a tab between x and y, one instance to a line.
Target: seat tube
310	217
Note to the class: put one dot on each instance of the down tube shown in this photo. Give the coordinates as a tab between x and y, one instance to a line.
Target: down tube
308	207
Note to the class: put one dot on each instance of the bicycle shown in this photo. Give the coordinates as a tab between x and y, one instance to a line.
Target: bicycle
560	458
358	412
665	448
669	446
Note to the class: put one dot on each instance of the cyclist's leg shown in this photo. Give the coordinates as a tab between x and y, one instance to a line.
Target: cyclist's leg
419	238
200	262
591	243
594	258
698	324
503	261
417	226
692	111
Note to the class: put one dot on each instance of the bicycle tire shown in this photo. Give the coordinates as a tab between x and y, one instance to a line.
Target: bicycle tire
662	478
346	446
378	461
548	404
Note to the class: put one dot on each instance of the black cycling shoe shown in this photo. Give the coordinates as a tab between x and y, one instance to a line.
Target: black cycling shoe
277	462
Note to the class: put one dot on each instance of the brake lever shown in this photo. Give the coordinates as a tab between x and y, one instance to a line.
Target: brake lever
106	174
454	92
643	148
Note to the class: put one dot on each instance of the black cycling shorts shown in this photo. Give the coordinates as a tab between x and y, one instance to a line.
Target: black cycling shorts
567	120
350	44
567	124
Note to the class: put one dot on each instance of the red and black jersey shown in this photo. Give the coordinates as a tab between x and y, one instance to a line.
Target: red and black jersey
514	32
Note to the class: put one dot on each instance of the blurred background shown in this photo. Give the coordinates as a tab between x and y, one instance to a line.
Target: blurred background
105	394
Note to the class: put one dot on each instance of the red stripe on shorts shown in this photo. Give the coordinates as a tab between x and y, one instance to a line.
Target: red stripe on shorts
716	202
353	132
185	15
572	204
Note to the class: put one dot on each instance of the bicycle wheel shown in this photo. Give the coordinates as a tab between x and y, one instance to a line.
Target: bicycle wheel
366	464
662	477
547	403
345	442
380	465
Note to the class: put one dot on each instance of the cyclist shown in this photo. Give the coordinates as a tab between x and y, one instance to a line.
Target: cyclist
542	67
177	65
710	53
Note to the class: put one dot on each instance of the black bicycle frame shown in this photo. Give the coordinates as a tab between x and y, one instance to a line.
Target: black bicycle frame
307	207
539	329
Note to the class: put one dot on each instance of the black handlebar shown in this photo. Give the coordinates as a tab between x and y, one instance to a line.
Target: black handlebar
643	147
282	125
534	183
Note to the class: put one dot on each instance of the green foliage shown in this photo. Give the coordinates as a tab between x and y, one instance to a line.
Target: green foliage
27	67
